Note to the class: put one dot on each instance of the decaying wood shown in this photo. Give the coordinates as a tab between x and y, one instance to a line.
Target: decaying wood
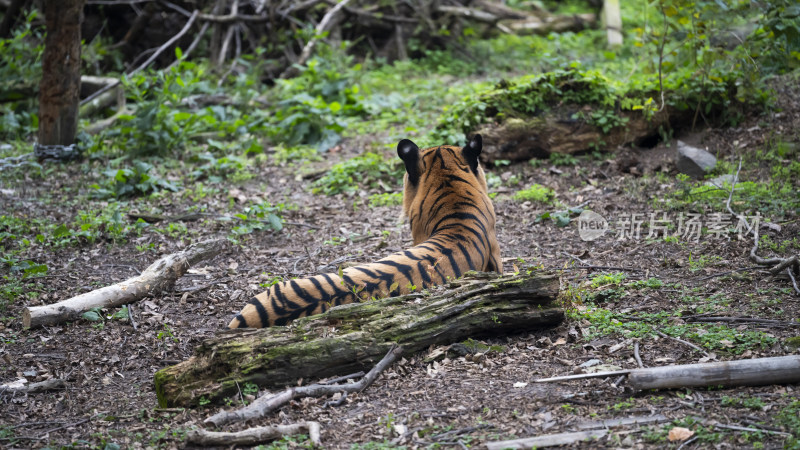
22	385
745	372
351	337
159	276
269	403
547	440
556	131
254	436
553	24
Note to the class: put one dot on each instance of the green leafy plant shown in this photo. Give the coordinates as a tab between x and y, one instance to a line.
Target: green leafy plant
536	193
368	169
134	181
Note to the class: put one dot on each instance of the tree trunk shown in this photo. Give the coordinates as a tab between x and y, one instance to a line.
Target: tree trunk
61	72
612	18
355	336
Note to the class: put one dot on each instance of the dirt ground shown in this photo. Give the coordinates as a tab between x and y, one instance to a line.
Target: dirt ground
110	400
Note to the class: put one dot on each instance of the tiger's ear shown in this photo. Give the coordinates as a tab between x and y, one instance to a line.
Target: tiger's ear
472	151
409	153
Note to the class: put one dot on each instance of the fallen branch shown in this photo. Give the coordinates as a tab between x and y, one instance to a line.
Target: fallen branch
149	60
156	278
354	336
22	386
254	436
268	403
746	372
547	440
778	265
686	343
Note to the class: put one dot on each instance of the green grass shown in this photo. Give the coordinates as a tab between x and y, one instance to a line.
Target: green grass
536	193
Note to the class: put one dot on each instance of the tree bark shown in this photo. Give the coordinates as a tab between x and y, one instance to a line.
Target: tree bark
61	72
157	277
355	336
745	372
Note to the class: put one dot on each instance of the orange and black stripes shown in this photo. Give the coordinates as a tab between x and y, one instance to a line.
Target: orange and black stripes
452	224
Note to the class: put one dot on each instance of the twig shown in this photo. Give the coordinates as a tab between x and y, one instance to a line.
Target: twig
636	354
687	442
779	264
582	376
687	343
253	436
191	47
760	430
266	404
149	60
309	47
130	317
352	376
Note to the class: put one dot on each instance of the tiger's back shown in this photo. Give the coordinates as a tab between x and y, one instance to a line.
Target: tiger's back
452	225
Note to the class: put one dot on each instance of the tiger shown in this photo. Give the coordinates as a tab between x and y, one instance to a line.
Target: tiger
452	221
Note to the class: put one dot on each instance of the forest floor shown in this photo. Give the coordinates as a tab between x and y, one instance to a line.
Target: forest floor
661	285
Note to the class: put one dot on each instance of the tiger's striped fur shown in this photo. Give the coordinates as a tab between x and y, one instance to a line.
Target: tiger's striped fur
452	224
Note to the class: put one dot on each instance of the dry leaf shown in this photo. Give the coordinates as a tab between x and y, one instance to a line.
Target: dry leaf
679	434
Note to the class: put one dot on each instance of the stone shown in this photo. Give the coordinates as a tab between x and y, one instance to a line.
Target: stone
693	161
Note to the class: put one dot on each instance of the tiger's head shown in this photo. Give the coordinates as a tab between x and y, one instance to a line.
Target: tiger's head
439	180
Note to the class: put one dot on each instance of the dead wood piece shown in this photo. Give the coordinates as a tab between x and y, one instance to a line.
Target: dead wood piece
552	24
254	436
548	440
22	385
268	403
556	131
351	337
746	372
610	423
159	276
778	265
582	376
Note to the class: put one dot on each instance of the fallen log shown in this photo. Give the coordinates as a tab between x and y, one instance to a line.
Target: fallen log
745	372
355	336
557	132
159	276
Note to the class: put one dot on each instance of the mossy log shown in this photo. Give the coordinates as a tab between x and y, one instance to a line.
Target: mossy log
556	131
352	337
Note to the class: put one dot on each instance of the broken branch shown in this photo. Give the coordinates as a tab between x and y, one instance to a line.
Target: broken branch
254	436
159	276
268	403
